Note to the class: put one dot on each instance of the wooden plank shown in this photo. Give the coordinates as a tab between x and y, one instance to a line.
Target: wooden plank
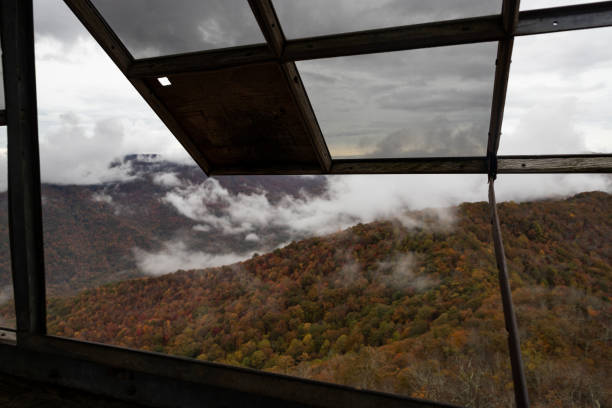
444	165
292	76
100	30
555	164
25	209
585	163
454	32
510	10
565	18
200	61
271	27
243	116
110	366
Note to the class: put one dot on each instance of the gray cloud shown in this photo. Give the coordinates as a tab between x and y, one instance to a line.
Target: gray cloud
301	18
158	27
559	93
177	255
399	273
431	102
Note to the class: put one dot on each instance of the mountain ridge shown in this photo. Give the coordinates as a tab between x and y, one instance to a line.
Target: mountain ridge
381	306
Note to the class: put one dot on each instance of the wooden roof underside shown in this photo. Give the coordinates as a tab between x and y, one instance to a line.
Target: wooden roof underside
244	110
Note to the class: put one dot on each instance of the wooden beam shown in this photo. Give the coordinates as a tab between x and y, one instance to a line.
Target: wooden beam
24	201
568	18
577	163
174	381
436	34
510	11
463	31
426	165
200	61
269	23
104	35
271	27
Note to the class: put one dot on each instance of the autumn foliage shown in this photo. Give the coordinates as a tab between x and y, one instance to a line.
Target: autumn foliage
412	309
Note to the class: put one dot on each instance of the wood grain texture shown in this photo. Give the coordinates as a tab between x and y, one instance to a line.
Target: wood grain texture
463	165
271	27
240	117
200	61
555	164
565	18
477	165
463	31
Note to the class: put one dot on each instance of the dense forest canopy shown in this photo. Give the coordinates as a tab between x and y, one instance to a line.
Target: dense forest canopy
410	309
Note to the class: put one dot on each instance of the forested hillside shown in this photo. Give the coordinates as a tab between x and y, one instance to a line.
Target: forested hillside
90	231
413	309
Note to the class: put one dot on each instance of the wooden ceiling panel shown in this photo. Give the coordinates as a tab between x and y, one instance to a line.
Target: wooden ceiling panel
242	117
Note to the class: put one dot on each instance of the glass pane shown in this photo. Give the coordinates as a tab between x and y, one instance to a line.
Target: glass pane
396	298
7	308
559	93
310	18
90	122
539	4
418	103
150	28
559	257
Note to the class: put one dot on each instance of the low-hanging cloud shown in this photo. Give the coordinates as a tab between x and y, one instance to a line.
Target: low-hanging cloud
399	273
177	255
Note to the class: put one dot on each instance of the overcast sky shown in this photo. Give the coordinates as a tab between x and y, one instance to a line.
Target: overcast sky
415	103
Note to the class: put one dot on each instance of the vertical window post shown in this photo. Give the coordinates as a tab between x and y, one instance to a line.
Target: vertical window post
25	211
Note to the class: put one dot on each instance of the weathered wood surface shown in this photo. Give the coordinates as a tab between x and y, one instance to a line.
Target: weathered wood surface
555	164
200	61
477	165
243	116
426	35
410	166
271	27
269	24
187	382
565	18
300	98
510	12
